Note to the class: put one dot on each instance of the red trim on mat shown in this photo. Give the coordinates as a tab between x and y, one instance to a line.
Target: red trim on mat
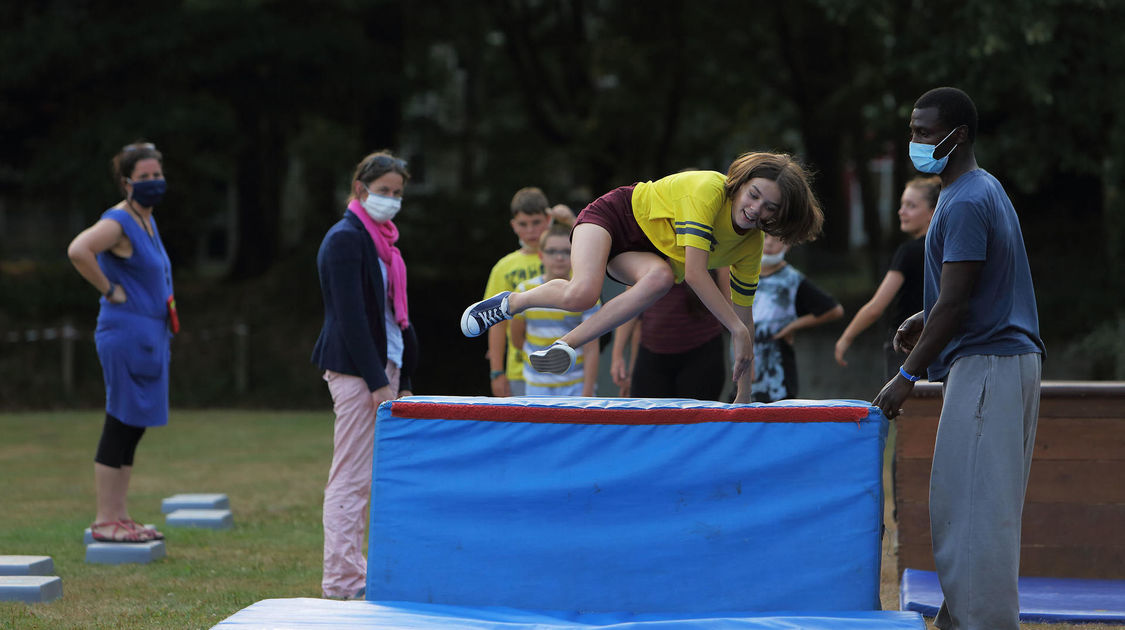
590	415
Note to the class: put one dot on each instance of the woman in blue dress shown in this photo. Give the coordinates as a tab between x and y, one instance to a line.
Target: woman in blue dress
123	257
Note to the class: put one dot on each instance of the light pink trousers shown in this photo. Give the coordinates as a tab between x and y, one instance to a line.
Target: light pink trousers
348	490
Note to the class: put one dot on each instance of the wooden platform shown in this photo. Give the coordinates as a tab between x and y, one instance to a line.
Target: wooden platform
1074	515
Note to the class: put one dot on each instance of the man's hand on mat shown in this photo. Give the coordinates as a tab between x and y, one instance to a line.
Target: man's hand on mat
890	399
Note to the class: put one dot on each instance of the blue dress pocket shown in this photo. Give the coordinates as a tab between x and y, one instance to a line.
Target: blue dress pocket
144	359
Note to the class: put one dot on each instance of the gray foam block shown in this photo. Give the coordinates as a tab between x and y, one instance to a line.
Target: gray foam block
26	565
124	553
194	502
209	519
30	588
88	537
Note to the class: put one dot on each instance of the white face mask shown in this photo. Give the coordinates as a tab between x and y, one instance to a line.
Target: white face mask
769	260
381	208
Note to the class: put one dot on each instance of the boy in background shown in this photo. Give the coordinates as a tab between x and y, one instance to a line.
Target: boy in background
787	301
531	216
537	328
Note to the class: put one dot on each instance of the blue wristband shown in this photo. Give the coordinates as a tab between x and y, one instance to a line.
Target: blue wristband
907	375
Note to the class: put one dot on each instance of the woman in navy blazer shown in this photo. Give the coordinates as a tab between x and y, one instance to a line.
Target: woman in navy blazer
367	349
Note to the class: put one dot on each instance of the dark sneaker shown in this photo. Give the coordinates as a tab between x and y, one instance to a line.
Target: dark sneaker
558	359
484	314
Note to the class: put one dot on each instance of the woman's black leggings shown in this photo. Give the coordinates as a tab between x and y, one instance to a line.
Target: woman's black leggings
118	443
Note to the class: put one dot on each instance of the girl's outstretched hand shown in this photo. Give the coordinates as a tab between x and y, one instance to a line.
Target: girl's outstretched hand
842	346
742	351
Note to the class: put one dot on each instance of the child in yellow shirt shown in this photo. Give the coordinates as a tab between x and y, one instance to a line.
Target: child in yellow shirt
653	234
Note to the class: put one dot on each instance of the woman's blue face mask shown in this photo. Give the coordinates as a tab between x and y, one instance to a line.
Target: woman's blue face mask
149	192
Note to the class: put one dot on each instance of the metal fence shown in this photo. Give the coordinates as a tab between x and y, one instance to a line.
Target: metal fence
32	358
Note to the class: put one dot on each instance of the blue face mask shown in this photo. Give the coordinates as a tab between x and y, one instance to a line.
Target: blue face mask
923	155
149	192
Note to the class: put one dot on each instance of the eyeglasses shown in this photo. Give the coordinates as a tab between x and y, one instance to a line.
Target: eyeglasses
556	252
383	163
386	160
144	146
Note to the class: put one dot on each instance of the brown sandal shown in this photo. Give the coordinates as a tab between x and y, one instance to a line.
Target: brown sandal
122	532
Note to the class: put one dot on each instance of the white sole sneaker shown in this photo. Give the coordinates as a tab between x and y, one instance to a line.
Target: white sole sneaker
483	315
557	359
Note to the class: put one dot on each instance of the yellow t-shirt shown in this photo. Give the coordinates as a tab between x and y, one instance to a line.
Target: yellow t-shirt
505	276
691	209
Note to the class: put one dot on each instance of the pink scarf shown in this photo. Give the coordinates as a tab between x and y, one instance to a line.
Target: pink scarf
384	235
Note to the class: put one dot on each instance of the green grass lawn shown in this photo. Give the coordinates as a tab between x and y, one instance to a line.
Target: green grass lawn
272	466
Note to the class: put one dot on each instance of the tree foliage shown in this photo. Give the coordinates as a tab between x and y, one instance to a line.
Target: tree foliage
265	105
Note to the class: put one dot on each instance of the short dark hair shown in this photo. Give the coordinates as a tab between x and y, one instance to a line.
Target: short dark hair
955	108
126	159
799	218
529	200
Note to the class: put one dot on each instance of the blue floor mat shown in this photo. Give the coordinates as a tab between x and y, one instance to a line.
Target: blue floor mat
1050	600
610	504
310	614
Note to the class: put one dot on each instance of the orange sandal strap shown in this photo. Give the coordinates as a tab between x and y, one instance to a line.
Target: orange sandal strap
151	532
121	532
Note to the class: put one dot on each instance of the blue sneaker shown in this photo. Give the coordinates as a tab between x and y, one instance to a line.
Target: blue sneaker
557	359
484	314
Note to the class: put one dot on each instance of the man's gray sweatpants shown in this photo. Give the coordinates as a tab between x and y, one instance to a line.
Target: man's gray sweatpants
982	457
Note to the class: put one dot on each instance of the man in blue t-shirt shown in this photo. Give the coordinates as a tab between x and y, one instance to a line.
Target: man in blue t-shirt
978	333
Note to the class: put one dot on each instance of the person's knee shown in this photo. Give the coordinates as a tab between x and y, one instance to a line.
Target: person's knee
118	443
656	280
580	297
661	277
